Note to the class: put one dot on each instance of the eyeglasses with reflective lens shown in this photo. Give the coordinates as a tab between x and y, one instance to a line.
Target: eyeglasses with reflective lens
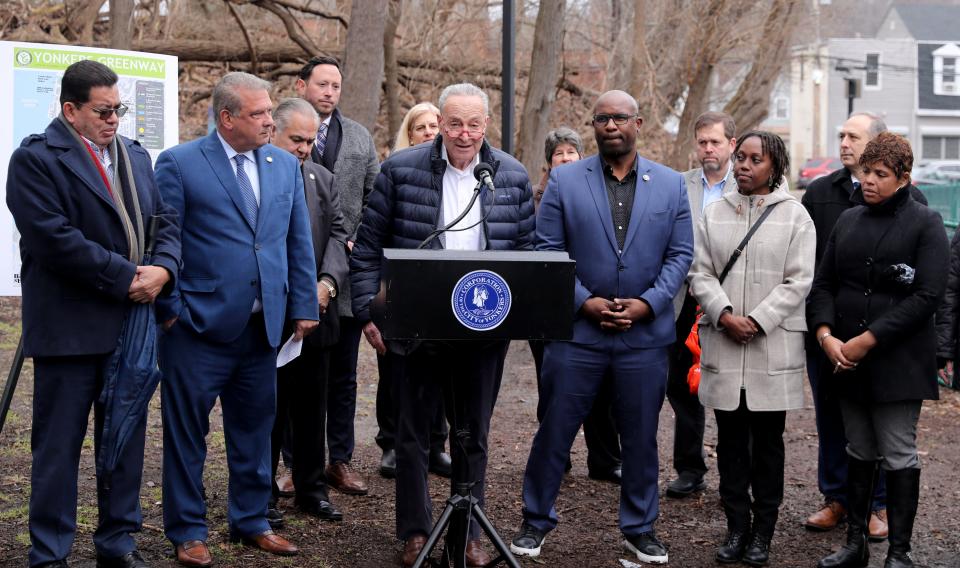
618	119
455	129
105	113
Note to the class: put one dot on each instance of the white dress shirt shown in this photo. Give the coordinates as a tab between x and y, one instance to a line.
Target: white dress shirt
249	165
457	190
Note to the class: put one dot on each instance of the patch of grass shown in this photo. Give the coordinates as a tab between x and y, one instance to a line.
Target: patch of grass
16	514
9	335
20	448
23	539
216	441
87	517
88	442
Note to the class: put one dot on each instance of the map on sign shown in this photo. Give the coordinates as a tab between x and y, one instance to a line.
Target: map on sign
147	85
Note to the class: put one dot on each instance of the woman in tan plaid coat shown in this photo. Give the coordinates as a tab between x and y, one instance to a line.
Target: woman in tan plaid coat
751	335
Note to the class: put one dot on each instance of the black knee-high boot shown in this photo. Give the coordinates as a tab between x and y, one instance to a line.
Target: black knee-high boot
861	479
903	494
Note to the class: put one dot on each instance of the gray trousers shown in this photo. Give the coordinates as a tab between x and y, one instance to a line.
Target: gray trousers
885	431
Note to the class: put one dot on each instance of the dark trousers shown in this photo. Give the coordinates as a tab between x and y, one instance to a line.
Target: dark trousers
387	409
301	422
690	420
242	373
832	458
572	375
750	459
599	428
342	391
466	376
64	389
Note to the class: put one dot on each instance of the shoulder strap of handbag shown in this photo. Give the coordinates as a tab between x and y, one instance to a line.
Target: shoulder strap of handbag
743	244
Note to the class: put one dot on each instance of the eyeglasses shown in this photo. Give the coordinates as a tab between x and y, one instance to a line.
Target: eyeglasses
618	119
455	129
105	113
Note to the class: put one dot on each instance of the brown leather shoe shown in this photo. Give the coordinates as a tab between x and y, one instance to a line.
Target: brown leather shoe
412	548
476	556
271	542
285	484
341	477
826	518
878	525
194	553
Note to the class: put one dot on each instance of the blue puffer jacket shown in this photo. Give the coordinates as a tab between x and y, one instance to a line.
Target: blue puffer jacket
405	208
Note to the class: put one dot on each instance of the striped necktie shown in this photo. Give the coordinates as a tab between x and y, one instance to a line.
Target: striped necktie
246	191
322	138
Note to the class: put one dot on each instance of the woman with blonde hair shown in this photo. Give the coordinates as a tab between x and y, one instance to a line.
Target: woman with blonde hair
421	124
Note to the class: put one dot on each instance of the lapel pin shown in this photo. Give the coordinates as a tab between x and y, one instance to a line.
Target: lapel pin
269	159
644	178
313	176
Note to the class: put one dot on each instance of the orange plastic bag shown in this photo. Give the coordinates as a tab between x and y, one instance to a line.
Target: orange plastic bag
693	344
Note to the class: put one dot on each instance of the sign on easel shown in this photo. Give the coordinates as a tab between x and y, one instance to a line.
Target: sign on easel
148	85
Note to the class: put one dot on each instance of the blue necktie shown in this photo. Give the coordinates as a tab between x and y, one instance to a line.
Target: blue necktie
249	198
856	185
321	138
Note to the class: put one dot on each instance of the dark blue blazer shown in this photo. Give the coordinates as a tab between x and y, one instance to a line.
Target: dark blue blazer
76	274
227	262
575	217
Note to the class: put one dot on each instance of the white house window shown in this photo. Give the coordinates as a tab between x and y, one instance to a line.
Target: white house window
941	147
871	77
946	75
781	108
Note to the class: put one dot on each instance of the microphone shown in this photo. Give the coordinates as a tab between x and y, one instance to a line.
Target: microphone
483	172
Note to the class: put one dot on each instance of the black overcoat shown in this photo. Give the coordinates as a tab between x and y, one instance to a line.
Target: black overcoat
854	291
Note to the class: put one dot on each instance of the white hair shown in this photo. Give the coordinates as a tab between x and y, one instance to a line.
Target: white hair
291	106
465	90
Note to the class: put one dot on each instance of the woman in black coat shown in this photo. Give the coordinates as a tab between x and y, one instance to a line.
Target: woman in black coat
881	279
948	318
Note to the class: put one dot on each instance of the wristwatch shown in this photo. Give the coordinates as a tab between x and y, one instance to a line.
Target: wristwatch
330	288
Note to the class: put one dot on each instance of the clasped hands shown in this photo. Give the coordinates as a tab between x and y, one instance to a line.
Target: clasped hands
617	314
147	284
845	356
741	329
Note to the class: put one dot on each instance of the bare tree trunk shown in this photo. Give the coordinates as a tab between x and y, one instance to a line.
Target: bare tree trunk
620	64
391	69
121	24
750	105
363	62
694	105
82	14
545	70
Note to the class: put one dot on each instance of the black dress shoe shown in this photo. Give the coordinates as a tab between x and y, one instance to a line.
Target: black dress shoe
733	548
611	475
758	551
686	484
441	464
323	510
274	517
388	464
131	559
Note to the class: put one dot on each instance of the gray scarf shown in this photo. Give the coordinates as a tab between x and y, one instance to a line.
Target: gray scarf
132	225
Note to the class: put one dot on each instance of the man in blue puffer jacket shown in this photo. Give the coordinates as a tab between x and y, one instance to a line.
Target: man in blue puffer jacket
418	190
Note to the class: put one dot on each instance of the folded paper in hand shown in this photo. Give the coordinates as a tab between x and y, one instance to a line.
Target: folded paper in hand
289	351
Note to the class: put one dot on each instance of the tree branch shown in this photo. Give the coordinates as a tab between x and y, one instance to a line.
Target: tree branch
254	63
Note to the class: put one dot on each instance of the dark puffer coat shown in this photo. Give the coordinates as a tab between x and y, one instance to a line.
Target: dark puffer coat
405	208
854	291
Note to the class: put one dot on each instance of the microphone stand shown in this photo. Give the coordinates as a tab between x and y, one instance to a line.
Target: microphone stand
436	233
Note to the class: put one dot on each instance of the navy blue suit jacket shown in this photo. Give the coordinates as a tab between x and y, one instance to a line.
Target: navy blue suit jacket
76	274
575	217
227	263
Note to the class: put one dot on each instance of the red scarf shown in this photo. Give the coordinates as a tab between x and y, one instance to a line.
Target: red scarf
96	161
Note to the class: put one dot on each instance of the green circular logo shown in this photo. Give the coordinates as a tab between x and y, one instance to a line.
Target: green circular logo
24	58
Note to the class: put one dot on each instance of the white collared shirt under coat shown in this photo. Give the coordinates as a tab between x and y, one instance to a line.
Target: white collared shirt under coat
249	165
769	282
458	188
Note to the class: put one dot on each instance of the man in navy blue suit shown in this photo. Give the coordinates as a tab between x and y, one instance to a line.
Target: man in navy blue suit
248	265
626	221
82	197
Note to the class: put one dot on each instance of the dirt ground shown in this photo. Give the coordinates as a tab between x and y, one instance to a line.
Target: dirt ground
587	535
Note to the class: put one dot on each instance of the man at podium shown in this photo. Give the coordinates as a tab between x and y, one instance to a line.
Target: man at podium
626	222
419	190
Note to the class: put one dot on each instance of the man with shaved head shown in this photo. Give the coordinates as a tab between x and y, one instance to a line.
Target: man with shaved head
626	221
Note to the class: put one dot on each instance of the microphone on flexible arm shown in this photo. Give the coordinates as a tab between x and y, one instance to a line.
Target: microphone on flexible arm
483	172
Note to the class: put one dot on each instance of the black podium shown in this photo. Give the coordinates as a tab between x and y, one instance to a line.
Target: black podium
451	295
447	295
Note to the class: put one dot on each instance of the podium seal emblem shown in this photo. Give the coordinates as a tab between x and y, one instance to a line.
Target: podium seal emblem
481	300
